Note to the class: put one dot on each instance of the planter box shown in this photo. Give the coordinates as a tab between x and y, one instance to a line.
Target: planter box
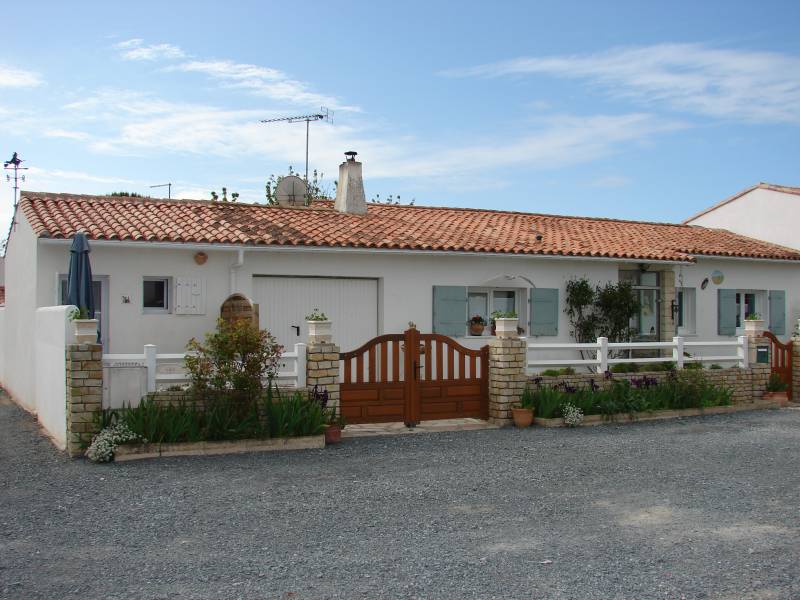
661	414
754	327
320	331
506	328
85	331
139	451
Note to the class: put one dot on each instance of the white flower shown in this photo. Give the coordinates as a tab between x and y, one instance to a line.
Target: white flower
573	416
105	443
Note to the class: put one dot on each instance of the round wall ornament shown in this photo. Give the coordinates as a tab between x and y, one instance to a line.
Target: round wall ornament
717	277
200	258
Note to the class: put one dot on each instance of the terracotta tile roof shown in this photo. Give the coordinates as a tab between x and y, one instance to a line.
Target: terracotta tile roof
759	186
384	226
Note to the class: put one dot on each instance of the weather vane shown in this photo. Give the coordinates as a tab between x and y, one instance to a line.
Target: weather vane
14	164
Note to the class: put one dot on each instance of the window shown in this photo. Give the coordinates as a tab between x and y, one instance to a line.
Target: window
646	286
484	302
155	294
686	319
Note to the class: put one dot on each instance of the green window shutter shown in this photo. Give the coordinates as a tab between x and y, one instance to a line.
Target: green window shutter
726	312
450	310
777	312
543	311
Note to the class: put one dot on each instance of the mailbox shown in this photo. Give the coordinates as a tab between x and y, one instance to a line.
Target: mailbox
762	355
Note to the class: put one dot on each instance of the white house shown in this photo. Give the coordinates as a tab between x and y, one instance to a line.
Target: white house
162	269
765	211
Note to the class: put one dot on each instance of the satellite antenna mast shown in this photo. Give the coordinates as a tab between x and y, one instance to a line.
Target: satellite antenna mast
323	115
166	185
14	164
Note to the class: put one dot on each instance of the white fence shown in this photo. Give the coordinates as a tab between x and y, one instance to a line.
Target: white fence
127	377
598	355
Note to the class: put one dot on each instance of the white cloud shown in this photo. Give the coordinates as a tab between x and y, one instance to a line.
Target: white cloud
610	182
41	176
136	49
759	87
80	136
11	77
261	81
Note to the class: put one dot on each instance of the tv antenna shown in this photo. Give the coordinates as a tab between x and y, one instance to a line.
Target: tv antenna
166	185
323	115
14	164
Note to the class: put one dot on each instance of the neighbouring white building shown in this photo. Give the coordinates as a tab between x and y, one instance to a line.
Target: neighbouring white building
162	268
765	211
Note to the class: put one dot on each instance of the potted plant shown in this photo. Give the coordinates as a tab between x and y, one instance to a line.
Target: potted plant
522	413
504	323
334	426
319	326
85	328
476	325
753	324
777	390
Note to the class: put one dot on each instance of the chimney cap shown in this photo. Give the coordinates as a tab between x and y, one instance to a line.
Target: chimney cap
350	155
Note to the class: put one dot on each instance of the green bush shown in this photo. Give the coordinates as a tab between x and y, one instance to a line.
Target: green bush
558	372
775	384
625	368
643	394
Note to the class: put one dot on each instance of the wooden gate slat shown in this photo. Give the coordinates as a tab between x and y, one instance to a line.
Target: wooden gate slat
371	365
395	360
347	370
428	359
439	360
360	368
451	355
384	362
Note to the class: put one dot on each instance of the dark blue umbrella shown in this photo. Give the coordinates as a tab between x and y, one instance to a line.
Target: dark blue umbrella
79	279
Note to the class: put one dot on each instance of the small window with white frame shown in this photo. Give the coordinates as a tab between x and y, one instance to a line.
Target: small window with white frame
687	311
155	295
485	301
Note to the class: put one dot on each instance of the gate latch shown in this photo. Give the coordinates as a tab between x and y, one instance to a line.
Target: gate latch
296	329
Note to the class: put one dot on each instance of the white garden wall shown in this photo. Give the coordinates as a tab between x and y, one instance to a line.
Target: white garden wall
52	334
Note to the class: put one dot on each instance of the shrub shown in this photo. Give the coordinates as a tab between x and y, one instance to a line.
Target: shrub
557	372
573	416
237	356
776	384
105	443
625	368
294	416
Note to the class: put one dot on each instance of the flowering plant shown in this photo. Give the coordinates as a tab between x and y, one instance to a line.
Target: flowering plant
477	320
573	416
105	443
317	315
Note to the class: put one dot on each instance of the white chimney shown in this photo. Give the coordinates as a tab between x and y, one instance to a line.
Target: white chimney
350	196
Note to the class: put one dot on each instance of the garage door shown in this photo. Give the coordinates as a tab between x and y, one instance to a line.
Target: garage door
352	305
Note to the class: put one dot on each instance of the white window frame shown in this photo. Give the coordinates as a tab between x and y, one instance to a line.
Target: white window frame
689	308
148	310
520	306
761	307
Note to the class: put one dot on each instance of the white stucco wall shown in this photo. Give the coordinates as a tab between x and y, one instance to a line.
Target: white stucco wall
52	334
763	214
405	283
21	301
741	275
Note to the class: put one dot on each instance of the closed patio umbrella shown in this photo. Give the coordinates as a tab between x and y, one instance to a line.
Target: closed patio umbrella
79	279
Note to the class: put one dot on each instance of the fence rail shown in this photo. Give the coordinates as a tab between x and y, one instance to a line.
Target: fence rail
127	377
601	354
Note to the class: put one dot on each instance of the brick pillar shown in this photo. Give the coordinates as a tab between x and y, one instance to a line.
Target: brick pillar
322	368
84	394
506	377
759	371
795	368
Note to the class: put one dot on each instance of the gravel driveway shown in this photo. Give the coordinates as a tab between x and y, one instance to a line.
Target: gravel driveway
695	508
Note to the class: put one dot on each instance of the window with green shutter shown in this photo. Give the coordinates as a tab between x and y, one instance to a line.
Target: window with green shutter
544	311
777	312
727	310
450	310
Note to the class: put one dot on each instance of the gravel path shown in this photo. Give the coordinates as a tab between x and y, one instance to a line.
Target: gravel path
695	508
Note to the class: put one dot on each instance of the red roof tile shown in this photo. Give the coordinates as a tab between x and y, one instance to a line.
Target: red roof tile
384	226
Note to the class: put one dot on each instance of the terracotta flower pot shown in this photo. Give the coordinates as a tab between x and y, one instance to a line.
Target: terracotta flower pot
523	417
333	434
782	398
476	328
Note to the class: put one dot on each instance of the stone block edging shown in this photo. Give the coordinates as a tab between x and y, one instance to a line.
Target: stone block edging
128	452
624	418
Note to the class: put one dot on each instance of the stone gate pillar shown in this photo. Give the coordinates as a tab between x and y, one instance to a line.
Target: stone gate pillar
507	358
759	371
84	395
322	366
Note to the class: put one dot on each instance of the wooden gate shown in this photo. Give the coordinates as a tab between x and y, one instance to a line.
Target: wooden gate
413	377
781	359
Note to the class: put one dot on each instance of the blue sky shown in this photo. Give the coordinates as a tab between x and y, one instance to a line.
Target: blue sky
632	110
